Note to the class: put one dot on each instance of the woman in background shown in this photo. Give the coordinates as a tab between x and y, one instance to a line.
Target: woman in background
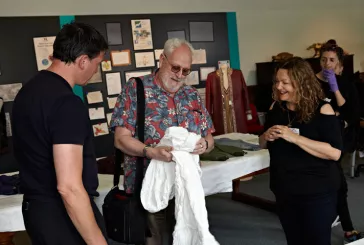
341	93
302	135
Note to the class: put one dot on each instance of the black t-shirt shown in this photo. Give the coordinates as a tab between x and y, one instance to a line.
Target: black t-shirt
294	171
47	112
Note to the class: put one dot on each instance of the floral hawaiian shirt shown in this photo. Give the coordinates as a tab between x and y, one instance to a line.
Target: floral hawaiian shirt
184	109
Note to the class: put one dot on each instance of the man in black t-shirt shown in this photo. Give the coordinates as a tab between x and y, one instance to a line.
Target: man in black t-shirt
53	144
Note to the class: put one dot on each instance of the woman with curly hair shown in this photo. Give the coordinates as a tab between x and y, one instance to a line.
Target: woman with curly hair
302	135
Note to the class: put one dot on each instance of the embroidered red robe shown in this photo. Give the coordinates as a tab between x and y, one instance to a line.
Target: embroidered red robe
228	107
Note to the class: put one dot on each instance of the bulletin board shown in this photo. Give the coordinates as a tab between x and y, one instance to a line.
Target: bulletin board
214	42
18	61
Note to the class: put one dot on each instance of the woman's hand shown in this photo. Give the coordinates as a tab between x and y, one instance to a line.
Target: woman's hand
330	77
286	133
271	134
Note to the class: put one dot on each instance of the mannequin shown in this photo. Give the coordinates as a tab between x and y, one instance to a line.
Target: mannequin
227	100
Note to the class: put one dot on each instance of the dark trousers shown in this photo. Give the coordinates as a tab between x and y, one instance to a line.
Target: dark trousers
47	222
342	204
307	220
161	225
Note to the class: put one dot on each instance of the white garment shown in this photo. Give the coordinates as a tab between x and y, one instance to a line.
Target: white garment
180	179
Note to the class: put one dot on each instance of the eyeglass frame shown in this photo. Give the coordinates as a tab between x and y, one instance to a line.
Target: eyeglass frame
179	68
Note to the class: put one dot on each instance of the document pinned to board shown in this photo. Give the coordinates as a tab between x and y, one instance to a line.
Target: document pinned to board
113	83
8	125
199	56
94	97
157	53
100	129
111	101
108	117
96	113
9	91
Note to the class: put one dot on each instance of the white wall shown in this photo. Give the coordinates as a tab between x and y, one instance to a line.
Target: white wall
266	27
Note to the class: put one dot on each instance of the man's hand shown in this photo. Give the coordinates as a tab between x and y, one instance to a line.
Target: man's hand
160	153
200	147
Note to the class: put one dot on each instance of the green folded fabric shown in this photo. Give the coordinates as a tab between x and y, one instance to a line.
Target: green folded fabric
222	153
214	155
231	150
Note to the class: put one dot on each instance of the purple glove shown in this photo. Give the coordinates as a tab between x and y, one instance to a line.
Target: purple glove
330	77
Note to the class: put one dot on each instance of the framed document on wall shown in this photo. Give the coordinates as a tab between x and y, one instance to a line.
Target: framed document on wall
177	34
113	32
120	58
142	34
144	59
201	31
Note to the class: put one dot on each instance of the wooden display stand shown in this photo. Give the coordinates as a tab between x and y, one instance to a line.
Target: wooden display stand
6	238
249	199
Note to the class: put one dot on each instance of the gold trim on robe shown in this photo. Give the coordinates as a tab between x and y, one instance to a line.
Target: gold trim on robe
227	106
227	102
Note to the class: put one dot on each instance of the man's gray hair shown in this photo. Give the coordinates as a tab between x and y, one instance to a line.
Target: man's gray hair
174	43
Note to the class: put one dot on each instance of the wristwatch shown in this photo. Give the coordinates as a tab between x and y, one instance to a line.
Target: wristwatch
145	150
207	144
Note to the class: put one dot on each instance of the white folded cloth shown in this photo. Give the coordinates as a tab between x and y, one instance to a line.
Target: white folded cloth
181	179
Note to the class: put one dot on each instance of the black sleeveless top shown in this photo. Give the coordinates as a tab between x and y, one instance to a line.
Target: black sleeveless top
294	171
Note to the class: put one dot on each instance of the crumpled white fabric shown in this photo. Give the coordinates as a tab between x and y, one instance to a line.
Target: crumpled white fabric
181	179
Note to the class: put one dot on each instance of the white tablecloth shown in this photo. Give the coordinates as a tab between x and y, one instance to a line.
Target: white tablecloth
216	178
359	242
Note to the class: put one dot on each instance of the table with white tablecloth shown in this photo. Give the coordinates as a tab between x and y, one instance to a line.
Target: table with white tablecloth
217	177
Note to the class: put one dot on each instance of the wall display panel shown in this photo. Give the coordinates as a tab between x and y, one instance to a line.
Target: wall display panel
18	60
162	26
114	36
178	34
201	31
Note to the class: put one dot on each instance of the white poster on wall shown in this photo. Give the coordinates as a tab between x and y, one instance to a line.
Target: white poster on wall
9	91
142	34
8	125
43	47
113	83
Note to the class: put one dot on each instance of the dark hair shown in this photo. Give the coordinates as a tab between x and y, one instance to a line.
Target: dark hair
308	90
331	45
78	39
331	41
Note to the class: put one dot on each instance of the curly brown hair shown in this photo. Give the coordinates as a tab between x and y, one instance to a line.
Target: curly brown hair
308	92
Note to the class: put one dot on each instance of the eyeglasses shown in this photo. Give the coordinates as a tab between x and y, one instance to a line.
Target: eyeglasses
176	69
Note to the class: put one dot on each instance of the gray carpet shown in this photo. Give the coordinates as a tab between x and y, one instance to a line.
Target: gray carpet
234	223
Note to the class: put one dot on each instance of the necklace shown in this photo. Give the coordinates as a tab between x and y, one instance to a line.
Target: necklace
289	120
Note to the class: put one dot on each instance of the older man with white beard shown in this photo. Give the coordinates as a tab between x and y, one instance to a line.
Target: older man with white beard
168	102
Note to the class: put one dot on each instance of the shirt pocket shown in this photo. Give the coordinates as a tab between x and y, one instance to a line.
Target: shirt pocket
192	120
